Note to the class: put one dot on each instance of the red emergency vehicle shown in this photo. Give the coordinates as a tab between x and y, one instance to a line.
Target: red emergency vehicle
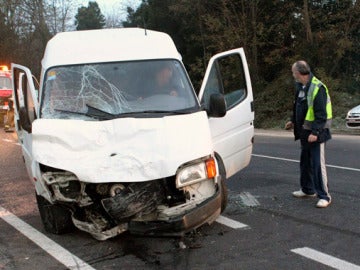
5	91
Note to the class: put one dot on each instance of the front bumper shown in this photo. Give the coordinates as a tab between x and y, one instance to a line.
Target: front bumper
4	108
353	122
205	212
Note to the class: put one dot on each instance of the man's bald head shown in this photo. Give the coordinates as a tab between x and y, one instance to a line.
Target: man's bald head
301	71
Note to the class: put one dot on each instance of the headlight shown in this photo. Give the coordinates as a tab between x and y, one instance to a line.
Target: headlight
196	172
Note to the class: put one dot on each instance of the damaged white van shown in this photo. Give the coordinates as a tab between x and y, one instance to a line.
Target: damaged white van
115	139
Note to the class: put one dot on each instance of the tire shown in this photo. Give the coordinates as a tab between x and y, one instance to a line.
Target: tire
222	185
55	218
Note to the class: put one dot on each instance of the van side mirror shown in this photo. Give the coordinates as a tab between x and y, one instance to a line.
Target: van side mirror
217	105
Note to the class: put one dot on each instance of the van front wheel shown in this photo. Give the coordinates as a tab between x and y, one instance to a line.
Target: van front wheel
223	187
224	195
55	218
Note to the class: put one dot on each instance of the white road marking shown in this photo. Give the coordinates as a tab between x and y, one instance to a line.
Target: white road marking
55	250
11	141
325	259
231	223
248	199
297	161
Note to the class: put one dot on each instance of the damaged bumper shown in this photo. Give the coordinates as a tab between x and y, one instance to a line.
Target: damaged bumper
206	212
148	208
171	225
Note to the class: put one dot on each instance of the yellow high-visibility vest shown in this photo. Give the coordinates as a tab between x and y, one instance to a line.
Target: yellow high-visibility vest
312	92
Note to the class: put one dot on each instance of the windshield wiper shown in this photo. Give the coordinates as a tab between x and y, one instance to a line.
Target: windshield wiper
103	115
95	112
159	111
66	111
146	112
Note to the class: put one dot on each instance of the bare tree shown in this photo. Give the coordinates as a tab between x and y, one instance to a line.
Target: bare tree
115	16
59	15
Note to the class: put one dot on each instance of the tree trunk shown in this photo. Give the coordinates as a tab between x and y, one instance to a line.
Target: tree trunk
309	36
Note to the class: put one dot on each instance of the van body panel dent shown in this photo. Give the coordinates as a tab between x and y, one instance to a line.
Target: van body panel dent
125	149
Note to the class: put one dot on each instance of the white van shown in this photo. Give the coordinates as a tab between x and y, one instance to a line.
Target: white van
115	138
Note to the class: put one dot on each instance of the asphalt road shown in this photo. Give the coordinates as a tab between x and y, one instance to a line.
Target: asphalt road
277	232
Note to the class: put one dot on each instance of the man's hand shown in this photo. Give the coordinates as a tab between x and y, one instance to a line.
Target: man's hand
289	125
312	138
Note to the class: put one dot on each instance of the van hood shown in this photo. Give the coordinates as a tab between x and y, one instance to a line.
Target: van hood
124	149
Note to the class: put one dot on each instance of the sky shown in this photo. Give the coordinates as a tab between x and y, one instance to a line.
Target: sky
111	6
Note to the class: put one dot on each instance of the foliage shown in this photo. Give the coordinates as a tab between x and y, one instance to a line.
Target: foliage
59	15
273	103
89	17
23	28
273	34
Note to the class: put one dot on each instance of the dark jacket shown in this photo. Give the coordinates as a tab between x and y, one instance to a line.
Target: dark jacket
300	108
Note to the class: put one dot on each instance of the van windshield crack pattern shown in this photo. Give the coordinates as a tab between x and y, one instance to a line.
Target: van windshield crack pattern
115	89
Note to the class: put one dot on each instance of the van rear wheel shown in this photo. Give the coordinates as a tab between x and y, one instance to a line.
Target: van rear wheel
55	218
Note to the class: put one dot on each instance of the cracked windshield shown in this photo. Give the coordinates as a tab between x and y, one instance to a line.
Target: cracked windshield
113	90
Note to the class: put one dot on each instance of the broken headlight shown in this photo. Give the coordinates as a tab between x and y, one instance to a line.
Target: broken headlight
196	172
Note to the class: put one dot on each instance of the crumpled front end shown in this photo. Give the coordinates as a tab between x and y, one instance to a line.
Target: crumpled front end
128	173
153	207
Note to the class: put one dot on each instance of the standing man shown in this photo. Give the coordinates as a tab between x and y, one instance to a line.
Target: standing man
9	124
311	120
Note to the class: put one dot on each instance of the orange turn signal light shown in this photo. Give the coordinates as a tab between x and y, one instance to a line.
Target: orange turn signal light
210	168
4	68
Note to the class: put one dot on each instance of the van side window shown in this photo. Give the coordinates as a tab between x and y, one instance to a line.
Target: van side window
233	81
227	77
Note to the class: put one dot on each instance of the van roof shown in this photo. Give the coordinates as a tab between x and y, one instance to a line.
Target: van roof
108	45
